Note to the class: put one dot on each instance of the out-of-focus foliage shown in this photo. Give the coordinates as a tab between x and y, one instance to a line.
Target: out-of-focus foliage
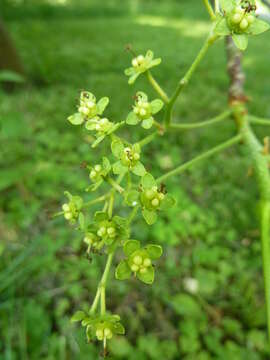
207	300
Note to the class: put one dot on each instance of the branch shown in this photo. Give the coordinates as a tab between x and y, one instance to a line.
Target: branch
199	158
258	121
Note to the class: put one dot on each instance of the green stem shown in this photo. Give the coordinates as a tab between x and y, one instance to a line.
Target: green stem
215	120
209	9
133	214
258	121
185	80
265	237
157	87
103	283
148	139
111	202
203	156
86	204
115	185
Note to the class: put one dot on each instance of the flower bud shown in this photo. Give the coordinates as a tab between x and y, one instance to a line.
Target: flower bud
155	202
250	18
65	207
108	333
136	156
147	262
136	110
134	62
137	260
68	215
161	196
244	24
143	270
83	110
150	194
90	104
98	168
98	127
134	267
99	334
104	121
93	174
111	231
101	231
236	18
140	59
142	112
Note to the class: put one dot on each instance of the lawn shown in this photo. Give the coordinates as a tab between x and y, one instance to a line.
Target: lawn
212	234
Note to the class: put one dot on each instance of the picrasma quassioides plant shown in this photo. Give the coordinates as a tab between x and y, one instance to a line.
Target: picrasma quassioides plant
123	169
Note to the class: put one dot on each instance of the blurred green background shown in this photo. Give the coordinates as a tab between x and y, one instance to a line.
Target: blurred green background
210	239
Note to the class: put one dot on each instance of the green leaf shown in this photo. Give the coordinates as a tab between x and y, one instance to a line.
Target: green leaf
106	164
119	329
227	5
117	148
76	119
133	78
154	251
81	221
130	71
241	41
149	55
131	197
139	169
148	181
148	276
11	76
91	124
148	123
78	316
130	246
258	27
222	28
122	271
100	216
118	168
155	62
168	202
102	104
185	305
132	119
156	106
149	216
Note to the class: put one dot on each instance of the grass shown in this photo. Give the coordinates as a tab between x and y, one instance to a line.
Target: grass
212	235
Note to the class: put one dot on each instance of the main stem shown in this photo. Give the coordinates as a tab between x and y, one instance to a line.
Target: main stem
255	150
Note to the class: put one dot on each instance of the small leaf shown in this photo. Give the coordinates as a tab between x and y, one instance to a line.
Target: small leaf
154	251
140	95
139	169
78	316
149	55
76	119
168	202
11	76
149	216
131	197
222	28
156	106
122	271
148	276
148	123
148	181
117	148
118	168
130	246
133	78
155	62
100	216
241	41
258	27
132	119
226	5
106	164
102	104
119	329
91	124
130	71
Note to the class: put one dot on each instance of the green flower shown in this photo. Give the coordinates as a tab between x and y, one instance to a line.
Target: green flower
143	111
88	108
106	231
129	158
153	199
140	64
138	261
98	173
239	20
72	208
100	327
